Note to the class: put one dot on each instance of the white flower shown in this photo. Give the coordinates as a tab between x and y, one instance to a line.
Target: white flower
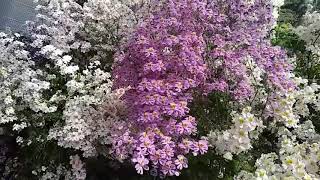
228	156
236	139
66	59
3	72
8	100
10	111
261	174
19	127
70	69
48	49
19	140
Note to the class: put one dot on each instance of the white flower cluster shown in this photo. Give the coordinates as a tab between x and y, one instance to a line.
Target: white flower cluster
306	132
287	108
76	172
306	95
45	173
63	70
309	31
116	17
294	161
88	121
87	101
21	86
298	156
256	76
237	139
97	26
281	108
276	7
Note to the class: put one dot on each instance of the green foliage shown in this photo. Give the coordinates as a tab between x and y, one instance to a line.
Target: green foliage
284	36
212	112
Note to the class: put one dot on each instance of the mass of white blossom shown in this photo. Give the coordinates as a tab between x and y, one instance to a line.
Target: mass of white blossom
74	42
309	32
277	4
295	160
64	71
237	139
298	154
98	26
21	86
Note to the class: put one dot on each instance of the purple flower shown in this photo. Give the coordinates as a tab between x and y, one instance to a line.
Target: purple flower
167	152
155	156
187	126
154	67
177	109
166	140
167	59
150	52
169	169
147	144
199	147
181	162
139	151
185	146
141	164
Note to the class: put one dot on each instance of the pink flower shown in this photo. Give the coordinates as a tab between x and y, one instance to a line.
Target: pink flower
141	164
167	152
181	162
187	126
147	144
199	147
155	156
150	52
169	168
185	145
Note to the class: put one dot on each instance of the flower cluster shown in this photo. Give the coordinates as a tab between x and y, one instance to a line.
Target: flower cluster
90	115
55	81
308	31
97	26
162	64
21	85
287	108
237	30
276	6
77	170
295	161
298	156
237	139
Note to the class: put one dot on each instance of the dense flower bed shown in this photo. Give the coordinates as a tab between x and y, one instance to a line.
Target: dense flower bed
156	85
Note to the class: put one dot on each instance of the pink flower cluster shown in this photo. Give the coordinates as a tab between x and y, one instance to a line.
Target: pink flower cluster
238	30
186	46
163	64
